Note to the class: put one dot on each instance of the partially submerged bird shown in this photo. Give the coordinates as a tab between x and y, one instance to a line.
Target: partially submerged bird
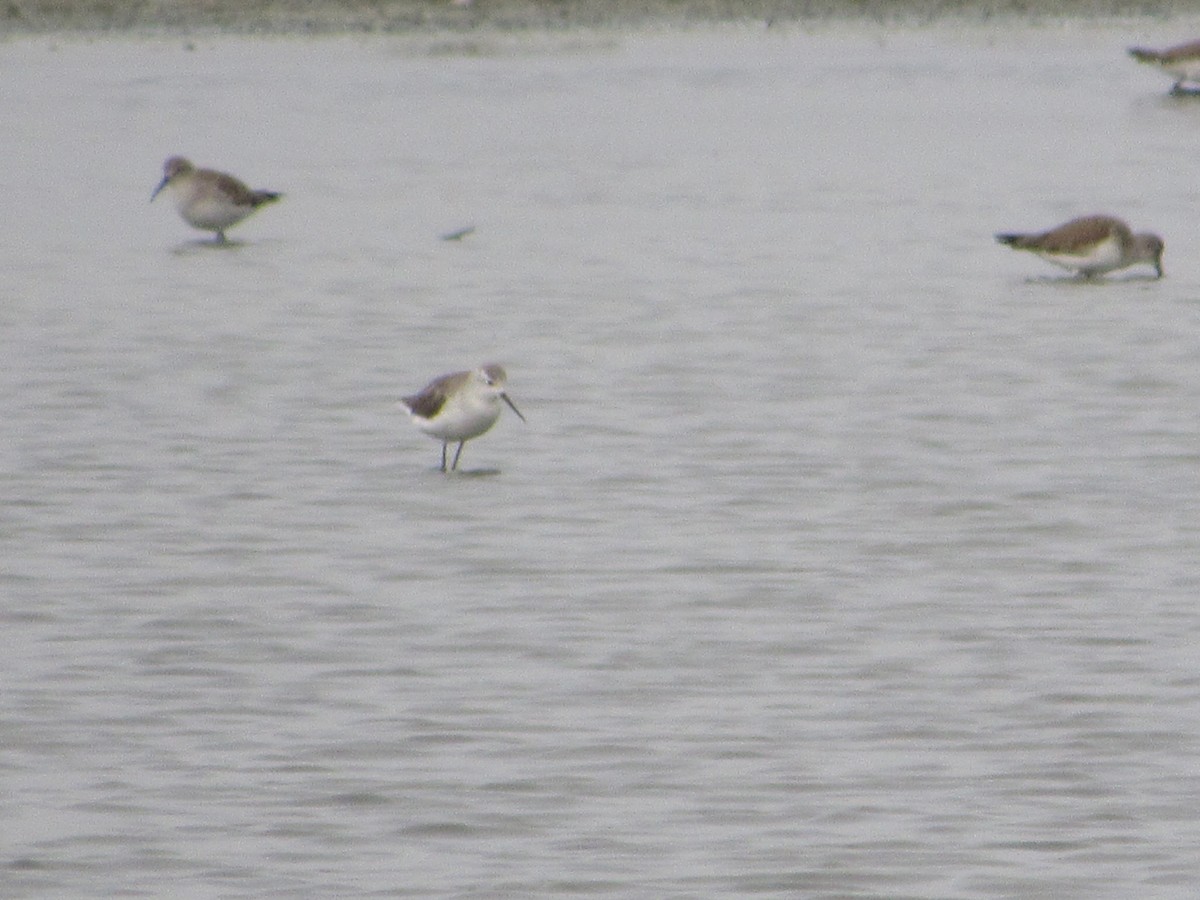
1091	245
208	200
460	406
1182	62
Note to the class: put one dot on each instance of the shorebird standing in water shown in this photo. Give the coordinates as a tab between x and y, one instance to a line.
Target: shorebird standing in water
1182	62
208	200
460	406
1091	246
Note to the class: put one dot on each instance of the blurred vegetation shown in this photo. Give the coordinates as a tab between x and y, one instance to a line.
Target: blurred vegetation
331	16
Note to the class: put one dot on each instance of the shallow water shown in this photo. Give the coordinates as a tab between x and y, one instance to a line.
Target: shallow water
844	554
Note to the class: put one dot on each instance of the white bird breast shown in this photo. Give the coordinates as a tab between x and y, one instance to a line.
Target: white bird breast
465	415
1099	258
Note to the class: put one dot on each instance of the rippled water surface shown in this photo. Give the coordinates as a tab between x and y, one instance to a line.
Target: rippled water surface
844	553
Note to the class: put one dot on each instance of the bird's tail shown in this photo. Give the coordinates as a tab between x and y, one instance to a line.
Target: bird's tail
1145	54
1013	240
261	197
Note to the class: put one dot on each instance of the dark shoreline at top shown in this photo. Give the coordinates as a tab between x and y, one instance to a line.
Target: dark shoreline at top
283	17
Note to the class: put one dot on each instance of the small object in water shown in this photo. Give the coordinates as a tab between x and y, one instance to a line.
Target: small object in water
1182	62
458	235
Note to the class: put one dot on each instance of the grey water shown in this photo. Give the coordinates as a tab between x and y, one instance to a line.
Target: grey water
845	553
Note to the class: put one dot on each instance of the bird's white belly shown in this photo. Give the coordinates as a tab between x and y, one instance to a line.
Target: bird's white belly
1185	70
460	419
1102	257
212	212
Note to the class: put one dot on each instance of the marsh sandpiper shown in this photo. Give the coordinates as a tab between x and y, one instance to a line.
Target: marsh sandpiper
208	200
1091	246
460	406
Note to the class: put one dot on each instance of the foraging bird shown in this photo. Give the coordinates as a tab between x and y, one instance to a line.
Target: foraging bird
1181	62
460	406
1091	245
208	200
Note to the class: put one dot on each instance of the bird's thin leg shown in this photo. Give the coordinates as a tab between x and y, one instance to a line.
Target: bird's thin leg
220	237
444	444
457	454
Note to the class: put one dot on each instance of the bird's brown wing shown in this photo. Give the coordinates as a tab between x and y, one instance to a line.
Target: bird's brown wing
429	402
1078	234
234	189
1178	52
